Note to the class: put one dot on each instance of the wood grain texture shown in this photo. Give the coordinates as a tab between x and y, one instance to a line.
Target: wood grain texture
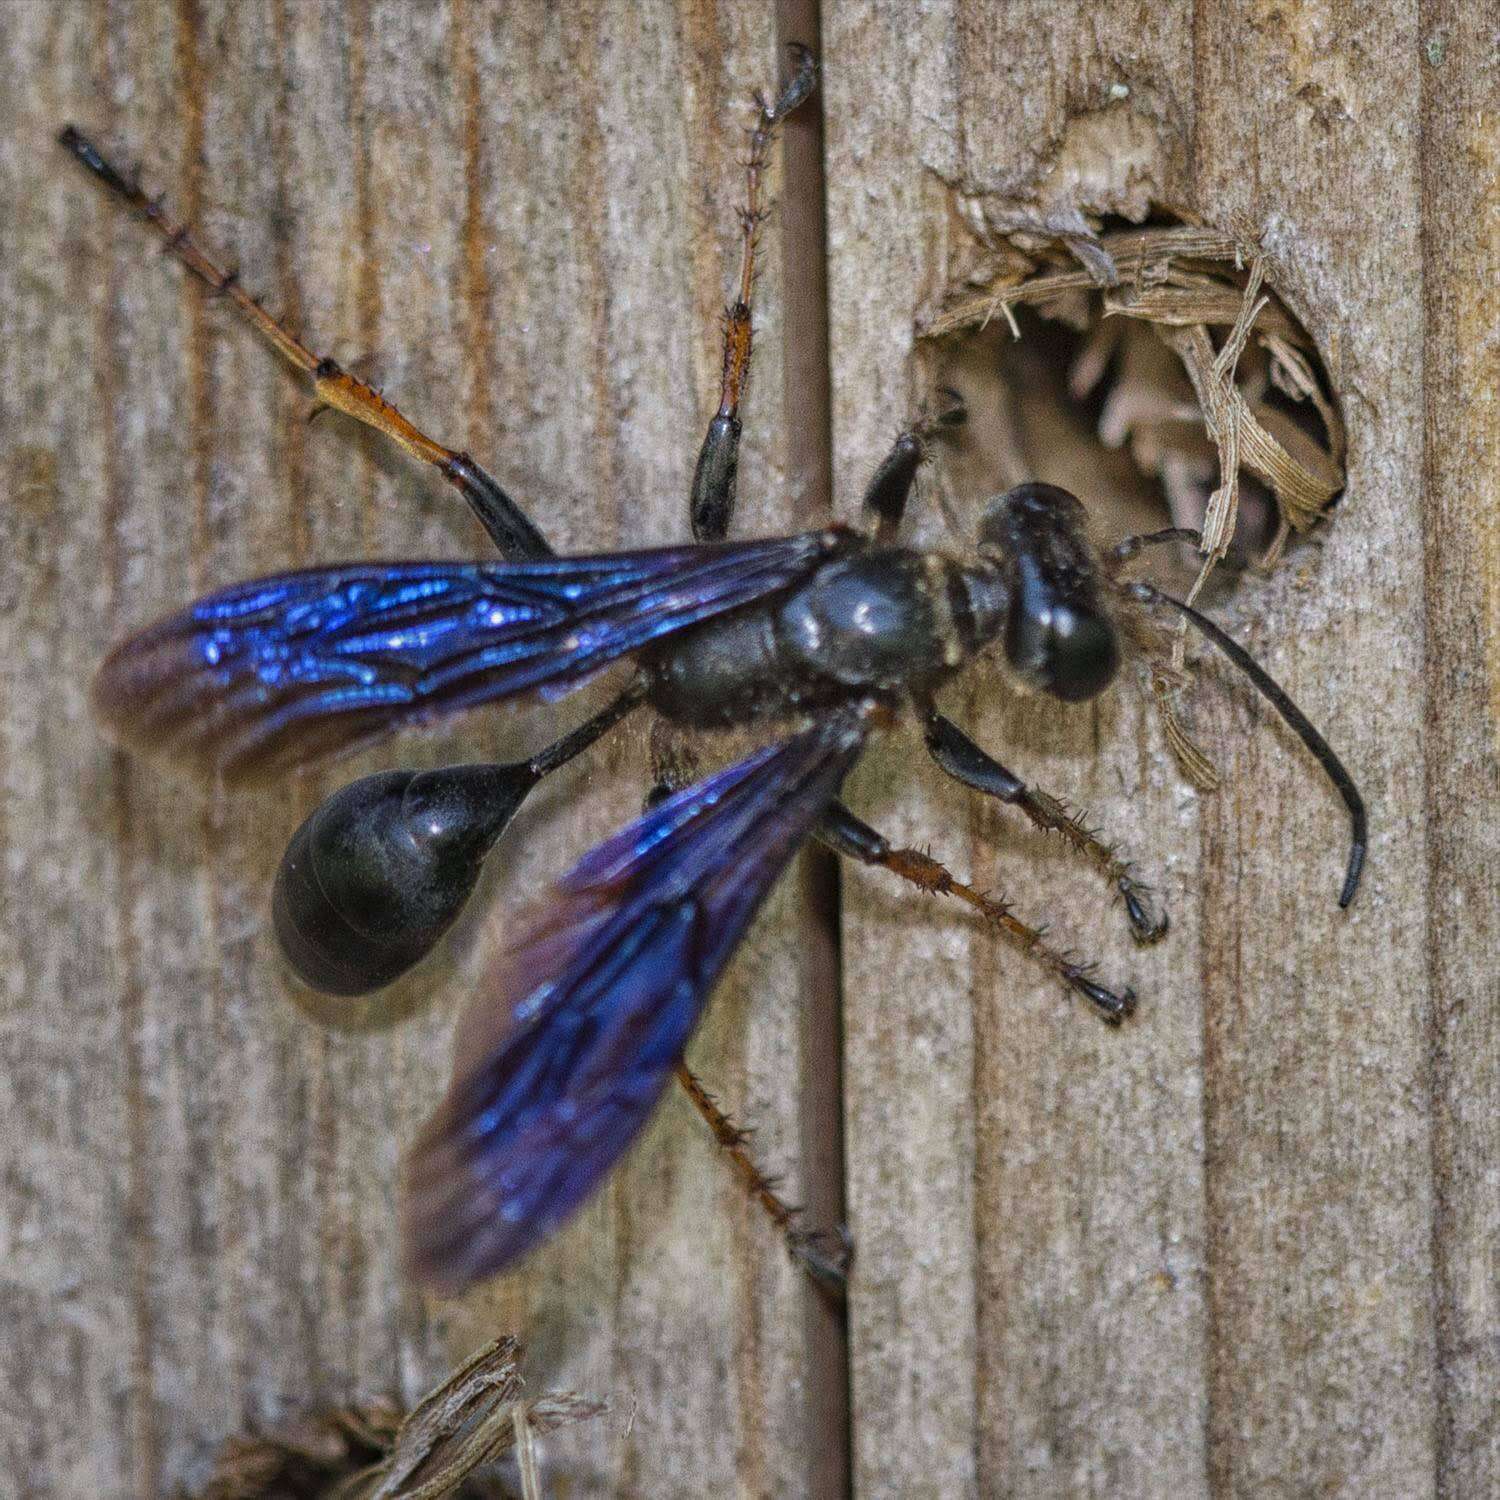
1243	1246
1247	1245
527	218
1461	373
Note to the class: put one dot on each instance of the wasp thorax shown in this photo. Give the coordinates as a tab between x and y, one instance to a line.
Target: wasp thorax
381	869
1058	636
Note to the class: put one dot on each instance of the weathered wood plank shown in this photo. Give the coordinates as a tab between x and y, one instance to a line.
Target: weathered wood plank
1026	1189
1197	1256
1460	228
1245	1246
1319	1182
527	217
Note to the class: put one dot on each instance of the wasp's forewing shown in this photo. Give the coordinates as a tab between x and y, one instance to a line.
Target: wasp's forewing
586	1013
280	672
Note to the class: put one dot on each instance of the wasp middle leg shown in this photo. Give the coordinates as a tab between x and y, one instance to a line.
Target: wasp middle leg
711	505
848	835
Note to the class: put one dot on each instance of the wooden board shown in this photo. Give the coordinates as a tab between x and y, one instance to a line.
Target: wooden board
1244	1246
528	221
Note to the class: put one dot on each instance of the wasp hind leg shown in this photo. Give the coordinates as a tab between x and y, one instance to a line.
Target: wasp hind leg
824	1254
509	527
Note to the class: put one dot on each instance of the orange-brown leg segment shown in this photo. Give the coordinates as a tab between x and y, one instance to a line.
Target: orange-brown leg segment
508	525
712	502
962	759
824	1255
847	835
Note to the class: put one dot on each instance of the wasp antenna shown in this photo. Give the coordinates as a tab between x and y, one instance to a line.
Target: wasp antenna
1299	723
1132	546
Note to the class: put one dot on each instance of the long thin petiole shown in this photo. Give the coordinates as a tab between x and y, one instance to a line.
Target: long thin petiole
1296	720
508	525
847	835
810	1248
576	741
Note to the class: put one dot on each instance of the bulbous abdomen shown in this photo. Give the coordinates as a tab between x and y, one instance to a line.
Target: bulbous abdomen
381	869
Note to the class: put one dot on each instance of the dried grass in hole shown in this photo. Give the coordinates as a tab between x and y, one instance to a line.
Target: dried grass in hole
1205	399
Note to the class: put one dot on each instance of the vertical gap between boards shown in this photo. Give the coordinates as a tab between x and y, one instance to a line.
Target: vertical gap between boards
803	228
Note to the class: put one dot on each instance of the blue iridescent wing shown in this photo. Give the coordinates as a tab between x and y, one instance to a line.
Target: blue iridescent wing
283	671
567	1048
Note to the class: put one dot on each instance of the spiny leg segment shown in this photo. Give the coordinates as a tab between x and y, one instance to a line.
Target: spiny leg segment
711	509
711	505
962	759
848	835
508	525
823	1254
1131	548
889	490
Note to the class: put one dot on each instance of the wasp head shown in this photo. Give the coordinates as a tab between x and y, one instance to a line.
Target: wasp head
1058	636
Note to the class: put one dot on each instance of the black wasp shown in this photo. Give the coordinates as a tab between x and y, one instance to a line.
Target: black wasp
584	1018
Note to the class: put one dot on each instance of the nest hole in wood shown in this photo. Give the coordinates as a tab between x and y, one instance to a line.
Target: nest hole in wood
1153	370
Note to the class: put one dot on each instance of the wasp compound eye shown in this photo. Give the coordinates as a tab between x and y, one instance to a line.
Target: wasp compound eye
1058	637
380	871
1031	516
1060	643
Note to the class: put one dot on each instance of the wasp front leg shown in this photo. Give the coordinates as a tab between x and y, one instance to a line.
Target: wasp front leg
962	759
889	491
